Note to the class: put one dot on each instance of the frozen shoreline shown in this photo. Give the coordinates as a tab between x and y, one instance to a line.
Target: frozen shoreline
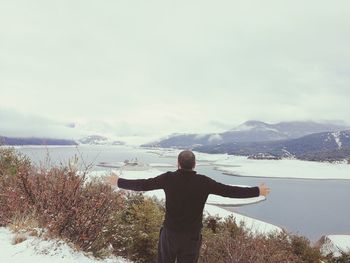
292	170
242	166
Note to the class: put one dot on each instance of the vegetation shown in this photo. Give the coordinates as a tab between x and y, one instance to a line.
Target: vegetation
94	218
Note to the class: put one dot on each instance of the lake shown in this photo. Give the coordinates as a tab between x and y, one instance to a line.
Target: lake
307	207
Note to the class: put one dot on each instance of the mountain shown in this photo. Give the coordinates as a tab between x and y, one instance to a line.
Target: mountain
325	146
34	141
250	131
90	140
99	140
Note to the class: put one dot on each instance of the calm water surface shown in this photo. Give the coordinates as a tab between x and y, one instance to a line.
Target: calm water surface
307	207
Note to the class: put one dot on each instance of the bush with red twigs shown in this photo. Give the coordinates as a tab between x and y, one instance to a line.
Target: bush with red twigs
61	199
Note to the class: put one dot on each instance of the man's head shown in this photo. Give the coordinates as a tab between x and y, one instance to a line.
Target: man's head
186	160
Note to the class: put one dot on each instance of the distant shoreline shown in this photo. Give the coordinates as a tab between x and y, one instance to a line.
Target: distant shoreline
284	177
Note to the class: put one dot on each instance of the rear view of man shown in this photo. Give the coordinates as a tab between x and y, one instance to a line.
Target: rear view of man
186	193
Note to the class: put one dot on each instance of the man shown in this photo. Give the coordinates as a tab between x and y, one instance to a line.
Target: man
186	193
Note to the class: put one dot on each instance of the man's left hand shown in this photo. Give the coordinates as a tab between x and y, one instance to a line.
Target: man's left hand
112	179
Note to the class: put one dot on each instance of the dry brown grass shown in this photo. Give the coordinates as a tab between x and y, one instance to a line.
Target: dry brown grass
24	223
18	238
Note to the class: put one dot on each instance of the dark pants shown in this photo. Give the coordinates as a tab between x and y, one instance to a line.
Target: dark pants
183	247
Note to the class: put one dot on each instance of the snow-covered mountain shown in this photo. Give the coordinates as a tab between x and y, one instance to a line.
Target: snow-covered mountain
99	140
325	146
34	141
250	131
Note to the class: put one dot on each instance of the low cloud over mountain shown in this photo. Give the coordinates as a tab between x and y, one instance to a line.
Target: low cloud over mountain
250	131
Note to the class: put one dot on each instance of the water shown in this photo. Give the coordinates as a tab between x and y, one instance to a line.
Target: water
307	207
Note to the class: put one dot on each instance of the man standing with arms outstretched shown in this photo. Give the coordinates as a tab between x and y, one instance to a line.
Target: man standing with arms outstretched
186	193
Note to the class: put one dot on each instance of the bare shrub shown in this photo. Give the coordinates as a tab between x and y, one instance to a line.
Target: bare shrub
59	198
11	202
303	249
231	243
135	228
69	208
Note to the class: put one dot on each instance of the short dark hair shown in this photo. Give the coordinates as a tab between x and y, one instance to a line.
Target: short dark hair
187	159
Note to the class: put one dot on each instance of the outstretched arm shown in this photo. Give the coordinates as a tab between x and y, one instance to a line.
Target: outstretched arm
217	188
137	184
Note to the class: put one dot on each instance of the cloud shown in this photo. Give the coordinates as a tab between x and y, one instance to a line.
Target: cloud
152	68
215	138
17	124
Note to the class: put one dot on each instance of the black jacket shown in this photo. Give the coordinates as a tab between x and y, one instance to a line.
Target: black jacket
186	193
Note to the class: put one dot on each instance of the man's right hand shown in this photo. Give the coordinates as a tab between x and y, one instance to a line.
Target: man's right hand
264	190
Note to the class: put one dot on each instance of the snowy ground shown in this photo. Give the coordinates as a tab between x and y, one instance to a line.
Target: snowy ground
254	225
213	201
336	244
38	250
241	166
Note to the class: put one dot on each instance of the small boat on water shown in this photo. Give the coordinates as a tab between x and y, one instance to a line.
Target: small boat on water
110	165
134	165
129	165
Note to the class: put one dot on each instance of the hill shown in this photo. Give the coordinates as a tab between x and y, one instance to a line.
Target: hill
99	140
250	131
325	146
34	141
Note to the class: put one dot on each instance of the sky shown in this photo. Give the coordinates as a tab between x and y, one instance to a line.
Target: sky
146	69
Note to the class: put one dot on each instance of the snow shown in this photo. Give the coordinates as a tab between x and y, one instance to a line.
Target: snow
285	168
270	129
173	153
252	224
243	127
336	244
162	165
226	201
200	136
336	136
165	153
254	125
107	164
295	169
38	250
204	157
288	154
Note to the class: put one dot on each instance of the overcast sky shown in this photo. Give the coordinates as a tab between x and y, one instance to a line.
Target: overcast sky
150	68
